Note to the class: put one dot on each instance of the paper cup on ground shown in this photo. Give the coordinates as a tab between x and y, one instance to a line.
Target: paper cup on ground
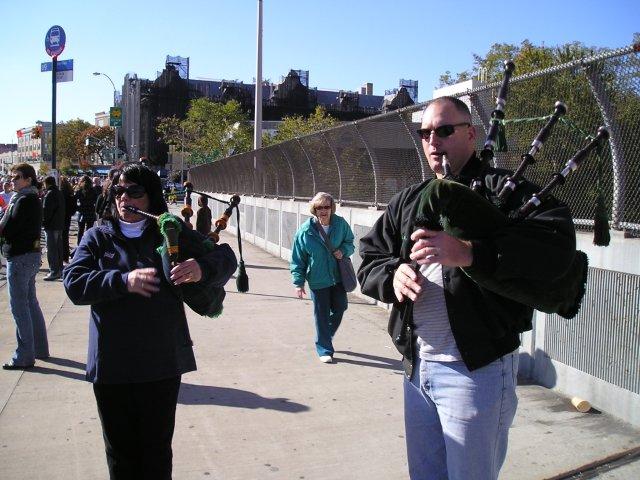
583	406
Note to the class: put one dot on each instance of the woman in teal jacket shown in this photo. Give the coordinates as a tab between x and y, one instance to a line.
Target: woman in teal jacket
312	261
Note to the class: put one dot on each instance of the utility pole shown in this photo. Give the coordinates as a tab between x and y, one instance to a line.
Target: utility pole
115	141
257	133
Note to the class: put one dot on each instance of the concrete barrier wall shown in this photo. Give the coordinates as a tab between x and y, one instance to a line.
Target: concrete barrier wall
594	356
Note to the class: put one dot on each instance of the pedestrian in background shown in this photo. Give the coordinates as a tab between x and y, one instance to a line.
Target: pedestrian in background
70	208
20	228
97	185
86	200
53	224
203	217
312	261
7	193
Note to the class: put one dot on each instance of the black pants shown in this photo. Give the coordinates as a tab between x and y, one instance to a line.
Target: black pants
137	425
82	226
66	251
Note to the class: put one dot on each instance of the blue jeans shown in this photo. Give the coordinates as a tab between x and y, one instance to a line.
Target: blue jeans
456	421
328	306
54	251
31	331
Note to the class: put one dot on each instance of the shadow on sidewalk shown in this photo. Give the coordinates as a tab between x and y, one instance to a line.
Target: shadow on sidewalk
60	373
375	361
291	297
191	394
265	267
63	362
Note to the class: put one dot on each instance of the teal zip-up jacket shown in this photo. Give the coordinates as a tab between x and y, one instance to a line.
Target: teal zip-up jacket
312	261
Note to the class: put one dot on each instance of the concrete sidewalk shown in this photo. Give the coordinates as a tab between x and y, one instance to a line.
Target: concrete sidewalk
261	405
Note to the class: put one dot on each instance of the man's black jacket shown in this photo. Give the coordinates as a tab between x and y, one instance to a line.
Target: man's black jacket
485	325
53	207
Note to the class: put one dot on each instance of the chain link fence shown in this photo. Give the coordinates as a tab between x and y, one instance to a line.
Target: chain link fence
368	161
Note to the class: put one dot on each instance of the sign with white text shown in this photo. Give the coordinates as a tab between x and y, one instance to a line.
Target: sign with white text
62	66
55	40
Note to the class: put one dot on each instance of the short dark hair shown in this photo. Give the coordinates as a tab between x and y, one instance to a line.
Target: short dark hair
459	105
50	181
142	175
27	171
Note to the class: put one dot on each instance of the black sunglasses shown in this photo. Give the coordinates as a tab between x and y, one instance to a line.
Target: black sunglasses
133	191
443	131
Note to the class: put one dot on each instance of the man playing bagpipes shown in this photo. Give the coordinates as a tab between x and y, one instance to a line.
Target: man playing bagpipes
447	258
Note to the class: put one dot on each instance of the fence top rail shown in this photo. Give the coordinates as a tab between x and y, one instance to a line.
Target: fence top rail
418	106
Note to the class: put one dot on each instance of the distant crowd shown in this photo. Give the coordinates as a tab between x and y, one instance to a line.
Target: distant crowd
61	200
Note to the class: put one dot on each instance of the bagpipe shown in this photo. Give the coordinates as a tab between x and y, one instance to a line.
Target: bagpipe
464	212
181	243
242	280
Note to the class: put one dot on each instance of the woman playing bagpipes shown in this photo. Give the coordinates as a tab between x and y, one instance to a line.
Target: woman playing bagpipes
139	342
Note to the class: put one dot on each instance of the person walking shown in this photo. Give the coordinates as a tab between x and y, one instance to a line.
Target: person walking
70	208
86	200
7	193
20	229
203	217
53	223
312	261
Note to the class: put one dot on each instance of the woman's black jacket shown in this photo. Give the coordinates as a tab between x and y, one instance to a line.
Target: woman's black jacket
133	338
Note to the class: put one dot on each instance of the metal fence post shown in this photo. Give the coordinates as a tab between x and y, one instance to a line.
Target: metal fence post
373	165
617	160
335	157
313	175
293	177
419	151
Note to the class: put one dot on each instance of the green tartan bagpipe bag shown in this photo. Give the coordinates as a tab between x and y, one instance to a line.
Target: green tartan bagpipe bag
466	215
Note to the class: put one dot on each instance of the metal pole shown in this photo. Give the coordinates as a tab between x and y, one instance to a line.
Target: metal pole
115	140
54	71
257	133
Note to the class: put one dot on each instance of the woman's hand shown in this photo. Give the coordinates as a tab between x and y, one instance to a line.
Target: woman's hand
143	281
188	271
300	292
338	254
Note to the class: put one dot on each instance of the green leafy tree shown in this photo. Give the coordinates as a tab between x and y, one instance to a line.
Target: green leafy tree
99	139
210	131
67	135
298	126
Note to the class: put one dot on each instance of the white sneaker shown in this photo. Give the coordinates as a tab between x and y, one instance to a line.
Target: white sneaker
326	359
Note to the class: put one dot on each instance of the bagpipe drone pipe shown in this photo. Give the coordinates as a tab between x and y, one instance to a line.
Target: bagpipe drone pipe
242	280
465	213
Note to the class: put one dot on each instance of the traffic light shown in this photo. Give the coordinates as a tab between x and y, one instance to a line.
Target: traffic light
36	131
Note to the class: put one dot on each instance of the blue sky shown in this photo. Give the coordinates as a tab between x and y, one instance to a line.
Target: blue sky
342	43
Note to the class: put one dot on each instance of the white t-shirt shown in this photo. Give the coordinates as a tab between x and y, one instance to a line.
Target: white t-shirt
431	319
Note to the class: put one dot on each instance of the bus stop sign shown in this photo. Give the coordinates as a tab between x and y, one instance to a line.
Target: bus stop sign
54	41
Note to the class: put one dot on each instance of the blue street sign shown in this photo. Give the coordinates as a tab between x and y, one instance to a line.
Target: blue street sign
63	66
55	40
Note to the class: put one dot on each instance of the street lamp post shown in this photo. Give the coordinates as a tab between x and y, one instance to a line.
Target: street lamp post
114	104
